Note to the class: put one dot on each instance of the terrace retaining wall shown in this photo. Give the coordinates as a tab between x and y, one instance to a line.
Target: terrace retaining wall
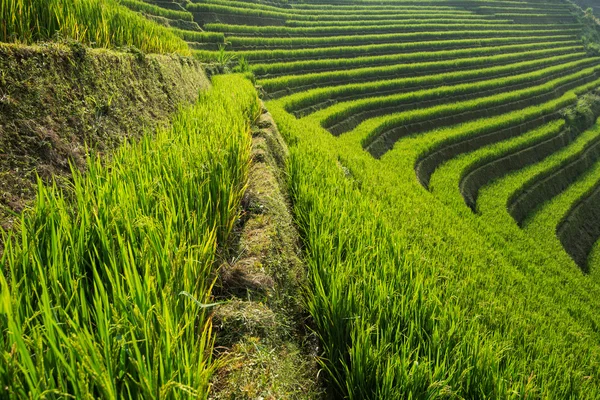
57	102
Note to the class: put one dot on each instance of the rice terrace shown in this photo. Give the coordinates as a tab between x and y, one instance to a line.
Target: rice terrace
299	199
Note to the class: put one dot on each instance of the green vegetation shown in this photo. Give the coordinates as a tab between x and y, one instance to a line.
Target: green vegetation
152	9
378	127
413	37
414	295
436	67
359	110
402	304
426	29
108	283
200	37
378	88
91	98
298	67
389	48
101	23
443	171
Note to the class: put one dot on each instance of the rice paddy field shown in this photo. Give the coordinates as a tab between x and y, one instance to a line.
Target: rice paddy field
444	173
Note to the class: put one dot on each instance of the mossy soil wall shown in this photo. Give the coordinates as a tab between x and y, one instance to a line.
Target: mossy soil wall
58	102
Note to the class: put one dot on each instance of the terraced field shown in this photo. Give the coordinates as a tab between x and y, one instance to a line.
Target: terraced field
456	78
460	137
444	172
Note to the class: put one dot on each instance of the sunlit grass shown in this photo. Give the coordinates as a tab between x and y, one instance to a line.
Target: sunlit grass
100	23
106	283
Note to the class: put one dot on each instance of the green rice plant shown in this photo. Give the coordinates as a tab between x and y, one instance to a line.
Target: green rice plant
528	8
435	148
565	15
324	6
242	42
421	20
356	91
286	31
400	15
101	23
389	48
200	37
242	66
107	286
547	218
540	227
354	109
381	126
366	74
298	67
336	10
107	291
594	259
413	296
378	127
285	14
242	11
446	181
138	5
403	316
224	58
437	140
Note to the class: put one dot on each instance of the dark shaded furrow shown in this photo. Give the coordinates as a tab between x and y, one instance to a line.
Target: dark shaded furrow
354	120
386	140
425	167
380	75
486	171
377	29
387	60
277	56
237	42
401	87
235	19
552	183
580	229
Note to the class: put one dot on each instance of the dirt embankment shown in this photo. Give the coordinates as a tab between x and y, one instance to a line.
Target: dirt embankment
261	327
58	102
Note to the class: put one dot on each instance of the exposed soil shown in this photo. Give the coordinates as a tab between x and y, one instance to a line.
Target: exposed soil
261	328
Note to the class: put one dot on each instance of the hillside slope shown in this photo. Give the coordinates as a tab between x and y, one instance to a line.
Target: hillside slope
443	155
444	173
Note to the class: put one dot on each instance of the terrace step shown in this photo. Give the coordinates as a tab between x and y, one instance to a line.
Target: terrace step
580	229
552	183
480	174
267	71
398	89
353	121
296	83
384	141
168	5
